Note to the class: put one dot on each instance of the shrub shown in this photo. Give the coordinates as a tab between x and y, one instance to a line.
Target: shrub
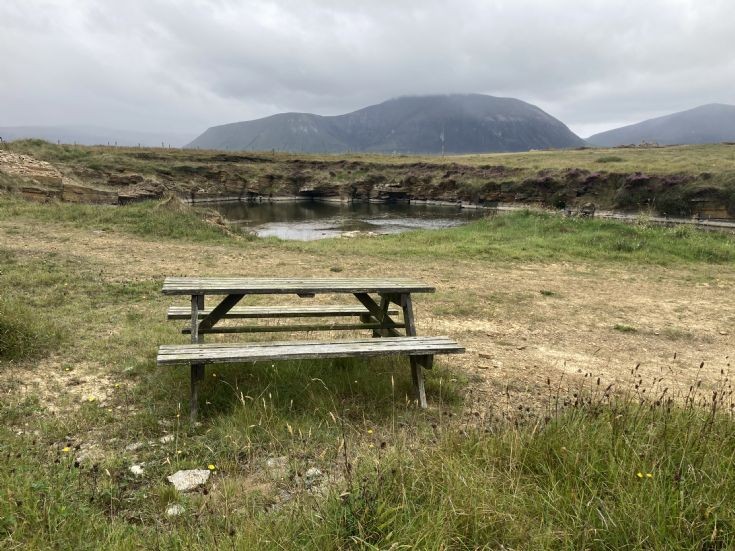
22	333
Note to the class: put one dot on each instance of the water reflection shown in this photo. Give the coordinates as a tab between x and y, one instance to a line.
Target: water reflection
308	220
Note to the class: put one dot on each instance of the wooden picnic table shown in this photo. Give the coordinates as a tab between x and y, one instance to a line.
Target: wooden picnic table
374	315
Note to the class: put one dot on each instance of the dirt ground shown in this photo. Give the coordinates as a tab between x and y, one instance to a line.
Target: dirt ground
524	325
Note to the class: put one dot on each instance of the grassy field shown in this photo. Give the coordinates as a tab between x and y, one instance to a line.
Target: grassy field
678	181
593	409
713	158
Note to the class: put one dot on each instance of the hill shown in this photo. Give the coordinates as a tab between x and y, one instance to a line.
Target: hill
713	123
467	123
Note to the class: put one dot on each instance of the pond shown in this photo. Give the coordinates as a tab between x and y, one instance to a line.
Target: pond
309	220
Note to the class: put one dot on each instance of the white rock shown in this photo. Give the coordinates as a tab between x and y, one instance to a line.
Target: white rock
277	467
276	462
311	476
166	438
174	510
137	470
134	446
185	481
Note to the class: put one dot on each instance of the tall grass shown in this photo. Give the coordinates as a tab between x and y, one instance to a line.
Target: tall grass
24	333
601	473
617	477
535	236
147	218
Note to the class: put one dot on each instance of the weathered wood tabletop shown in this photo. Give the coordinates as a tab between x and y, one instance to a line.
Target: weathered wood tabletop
279	286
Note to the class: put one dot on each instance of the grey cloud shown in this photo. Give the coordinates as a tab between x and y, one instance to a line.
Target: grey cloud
185	65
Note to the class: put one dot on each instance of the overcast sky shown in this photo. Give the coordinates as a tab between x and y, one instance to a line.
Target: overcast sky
184	65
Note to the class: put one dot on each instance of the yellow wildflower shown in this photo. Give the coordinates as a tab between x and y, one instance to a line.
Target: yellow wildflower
66	449
211	467
639	475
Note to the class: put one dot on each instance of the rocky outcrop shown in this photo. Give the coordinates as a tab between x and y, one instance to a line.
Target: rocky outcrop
30	169
80	193
41	181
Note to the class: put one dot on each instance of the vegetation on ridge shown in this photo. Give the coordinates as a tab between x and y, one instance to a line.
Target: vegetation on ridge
677	181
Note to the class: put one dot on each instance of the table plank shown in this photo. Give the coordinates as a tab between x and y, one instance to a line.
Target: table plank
248	285
386	340
289	350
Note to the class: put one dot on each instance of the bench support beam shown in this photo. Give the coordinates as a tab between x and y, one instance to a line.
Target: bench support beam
380	314
218	313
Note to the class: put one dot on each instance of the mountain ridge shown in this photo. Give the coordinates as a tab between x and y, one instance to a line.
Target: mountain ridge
709	123
454	123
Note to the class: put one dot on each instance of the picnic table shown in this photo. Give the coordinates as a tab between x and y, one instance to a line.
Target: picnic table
374	313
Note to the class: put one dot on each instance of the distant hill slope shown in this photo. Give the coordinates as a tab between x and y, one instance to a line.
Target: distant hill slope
91	135
711	123
469	123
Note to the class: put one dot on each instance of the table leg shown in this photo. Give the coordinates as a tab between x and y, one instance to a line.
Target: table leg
197	370
416	374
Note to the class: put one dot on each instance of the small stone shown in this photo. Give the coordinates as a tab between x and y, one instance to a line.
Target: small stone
485	355
311	476
166	438
137	470
276	462
277	467
185	481
174	510
87	454
134	446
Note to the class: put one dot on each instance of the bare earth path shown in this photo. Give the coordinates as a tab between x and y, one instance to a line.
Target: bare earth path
523	324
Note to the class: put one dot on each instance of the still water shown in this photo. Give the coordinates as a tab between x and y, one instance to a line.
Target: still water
308	220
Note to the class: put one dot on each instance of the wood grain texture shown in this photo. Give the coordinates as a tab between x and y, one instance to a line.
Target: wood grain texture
290	350
299	286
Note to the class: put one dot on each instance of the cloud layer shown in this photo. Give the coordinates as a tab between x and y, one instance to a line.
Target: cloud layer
182	66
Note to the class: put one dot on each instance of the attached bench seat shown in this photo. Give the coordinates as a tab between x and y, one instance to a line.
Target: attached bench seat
293	350
252	312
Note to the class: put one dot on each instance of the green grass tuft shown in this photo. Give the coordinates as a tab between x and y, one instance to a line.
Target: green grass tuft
609	159
23	334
